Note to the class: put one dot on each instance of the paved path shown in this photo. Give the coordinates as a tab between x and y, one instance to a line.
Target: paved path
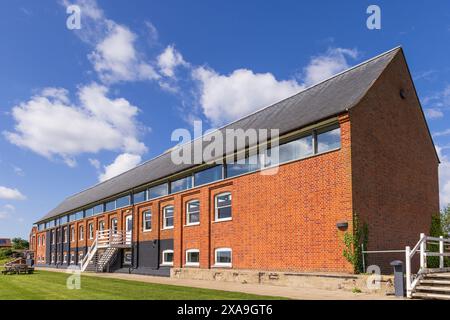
267	290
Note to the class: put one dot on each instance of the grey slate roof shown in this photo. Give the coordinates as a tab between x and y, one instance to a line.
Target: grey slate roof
323	100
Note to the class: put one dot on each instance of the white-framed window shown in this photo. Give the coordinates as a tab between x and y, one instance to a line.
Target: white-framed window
114	225
53	237
58	258
167	258
168	217
222	205
65	235
72	258
72	233
223	257
91	231
193	257
65	258
80	257
193	212
53	258
101	225
81	233
147	220
39	241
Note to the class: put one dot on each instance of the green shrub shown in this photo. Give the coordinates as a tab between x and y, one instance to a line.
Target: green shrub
5	253
352	241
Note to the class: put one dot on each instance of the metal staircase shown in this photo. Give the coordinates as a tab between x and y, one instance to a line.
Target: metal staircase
111	241
428	283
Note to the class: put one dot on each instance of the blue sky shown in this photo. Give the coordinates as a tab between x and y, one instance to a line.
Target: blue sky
79	106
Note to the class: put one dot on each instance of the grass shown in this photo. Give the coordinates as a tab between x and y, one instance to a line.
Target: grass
44	285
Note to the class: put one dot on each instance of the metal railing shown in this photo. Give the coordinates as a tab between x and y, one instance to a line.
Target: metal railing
421	249
106	239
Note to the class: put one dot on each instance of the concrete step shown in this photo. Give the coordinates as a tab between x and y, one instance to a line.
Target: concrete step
424	295
433	288
435	281
437	275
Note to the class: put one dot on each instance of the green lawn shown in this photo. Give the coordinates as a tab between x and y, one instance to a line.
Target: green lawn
52	286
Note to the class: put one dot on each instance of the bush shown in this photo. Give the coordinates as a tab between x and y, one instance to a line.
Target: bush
5	253
436	230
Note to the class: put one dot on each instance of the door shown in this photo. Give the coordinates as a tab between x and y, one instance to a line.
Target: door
128	228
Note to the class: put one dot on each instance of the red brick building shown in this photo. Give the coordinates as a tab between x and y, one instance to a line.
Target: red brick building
5	243
356	144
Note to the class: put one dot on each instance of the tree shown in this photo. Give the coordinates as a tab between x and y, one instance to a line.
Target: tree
445	220
19	244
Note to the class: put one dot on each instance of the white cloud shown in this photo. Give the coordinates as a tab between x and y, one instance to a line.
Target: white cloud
11	194
115	58
224	98
122	163
95	163
433	113
444	177
227	97
442	133
324	66
6	211
437	102
19	171
50	125
169	60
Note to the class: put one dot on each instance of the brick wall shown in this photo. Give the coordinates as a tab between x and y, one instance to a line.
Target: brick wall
395	168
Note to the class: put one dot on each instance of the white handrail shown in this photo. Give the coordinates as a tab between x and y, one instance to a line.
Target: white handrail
106	239
409	254
92	250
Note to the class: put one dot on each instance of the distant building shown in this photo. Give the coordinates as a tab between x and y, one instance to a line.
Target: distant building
5	243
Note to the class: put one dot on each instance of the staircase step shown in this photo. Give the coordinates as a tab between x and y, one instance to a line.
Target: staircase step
433	288
424	295
437	275
435	281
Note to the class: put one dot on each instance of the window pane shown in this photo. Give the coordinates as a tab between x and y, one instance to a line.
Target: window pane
168	217
89	212
193	212
123	202
223	256
237	168
328	140
289	151
140	197
109	206
158	191
224	200
72	217
98	209
193	257
224	213
79	215
168	256
147	220
208	175
181	184
63	219
194	206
